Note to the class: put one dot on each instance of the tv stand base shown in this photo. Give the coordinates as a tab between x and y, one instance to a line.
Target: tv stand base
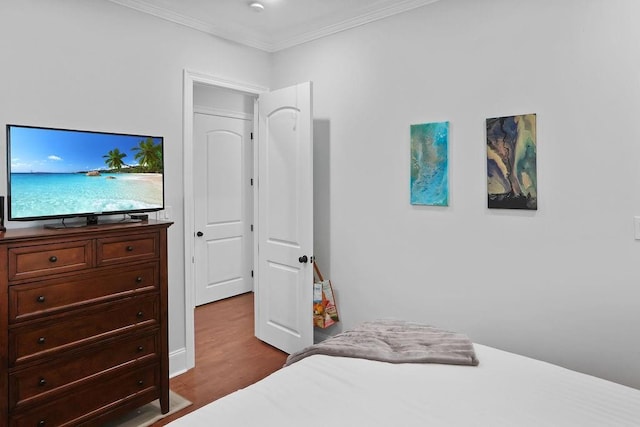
92	221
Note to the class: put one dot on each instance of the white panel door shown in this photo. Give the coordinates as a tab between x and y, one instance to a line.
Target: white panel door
284	285
223	159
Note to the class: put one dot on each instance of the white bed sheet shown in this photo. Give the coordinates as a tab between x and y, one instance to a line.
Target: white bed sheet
504	390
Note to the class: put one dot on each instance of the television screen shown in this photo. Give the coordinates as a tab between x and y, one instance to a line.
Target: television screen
61	173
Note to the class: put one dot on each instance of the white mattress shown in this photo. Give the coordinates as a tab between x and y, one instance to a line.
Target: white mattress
504	390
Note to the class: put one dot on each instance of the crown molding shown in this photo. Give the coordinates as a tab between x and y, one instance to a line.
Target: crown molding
357	21
196	24
272	45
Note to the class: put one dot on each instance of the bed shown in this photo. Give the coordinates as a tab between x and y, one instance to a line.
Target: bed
504	389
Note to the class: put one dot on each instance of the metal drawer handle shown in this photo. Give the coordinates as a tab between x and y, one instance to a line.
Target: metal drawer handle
140	382
139	279
140	349
41	423
129	248
139	315
42	382
53	258
40	298
41	340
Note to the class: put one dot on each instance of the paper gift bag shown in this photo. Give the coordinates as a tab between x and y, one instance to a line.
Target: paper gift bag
325	311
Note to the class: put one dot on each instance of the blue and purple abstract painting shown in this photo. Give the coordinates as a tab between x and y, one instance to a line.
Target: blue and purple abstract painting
430	164
512	179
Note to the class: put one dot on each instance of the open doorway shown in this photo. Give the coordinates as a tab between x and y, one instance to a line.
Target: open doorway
209	96
286	191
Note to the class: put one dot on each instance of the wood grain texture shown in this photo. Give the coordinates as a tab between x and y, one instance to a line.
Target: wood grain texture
72	351
228	355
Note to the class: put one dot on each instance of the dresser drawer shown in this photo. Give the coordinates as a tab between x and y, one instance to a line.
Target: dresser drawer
123	249
35	261
31	300
79	406
40	383
104	321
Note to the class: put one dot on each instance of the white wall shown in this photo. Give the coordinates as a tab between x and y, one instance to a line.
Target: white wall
94	65
560	284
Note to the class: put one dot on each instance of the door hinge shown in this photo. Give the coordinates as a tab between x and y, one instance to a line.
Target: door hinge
251	227
252	136
251	182
251	273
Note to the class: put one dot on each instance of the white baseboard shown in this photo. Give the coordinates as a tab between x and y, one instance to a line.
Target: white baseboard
178	362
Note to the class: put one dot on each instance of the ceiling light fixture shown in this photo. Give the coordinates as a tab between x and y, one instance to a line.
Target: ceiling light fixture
256	6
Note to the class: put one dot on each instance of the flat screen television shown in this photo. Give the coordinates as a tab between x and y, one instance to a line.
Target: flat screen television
63	173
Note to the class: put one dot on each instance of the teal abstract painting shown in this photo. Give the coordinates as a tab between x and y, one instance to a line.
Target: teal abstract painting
430	164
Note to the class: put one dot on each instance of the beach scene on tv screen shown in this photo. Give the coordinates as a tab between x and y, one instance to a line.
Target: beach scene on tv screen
58	172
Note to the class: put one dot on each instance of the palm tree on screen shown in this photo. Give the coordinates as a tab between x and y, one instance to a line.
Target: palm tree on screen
149	155
114	159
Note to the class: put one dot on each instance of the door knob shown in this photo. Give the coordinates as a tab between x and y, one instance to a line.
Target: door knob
199	234
303	259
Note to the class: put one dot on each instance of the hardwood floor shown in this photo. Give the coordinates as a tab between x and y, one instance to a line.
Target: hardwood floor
228	355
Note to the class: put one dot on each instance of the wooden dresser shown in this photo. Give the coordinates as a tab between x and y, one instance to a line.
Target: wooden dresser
83	323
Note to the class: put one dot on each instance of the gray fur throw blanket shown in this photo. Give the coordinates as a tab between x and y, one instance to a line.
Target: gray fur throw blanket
395	341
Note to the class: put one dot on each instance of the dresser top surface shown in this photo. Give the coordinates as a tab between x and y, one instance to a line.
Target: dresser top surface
83	232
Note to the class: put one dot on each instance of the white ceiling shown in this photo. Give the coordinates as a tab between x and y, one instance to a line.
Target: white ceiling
282	23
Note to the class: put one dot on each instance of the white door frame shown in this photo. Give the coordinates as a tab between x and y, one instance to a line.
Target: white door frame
191	77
